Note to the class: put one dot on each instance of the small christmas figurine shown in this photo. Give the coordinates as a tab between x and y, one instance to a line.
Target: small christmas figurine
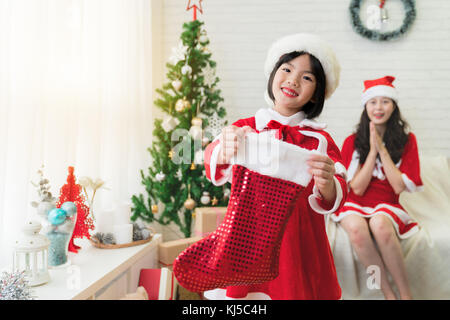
72	191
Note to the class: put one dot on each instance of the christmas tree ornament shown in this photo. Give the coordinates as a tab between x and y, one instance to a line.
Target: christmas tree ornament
31	254
206	198
186	70
160	176
170	123
206	50
192	166
176	84
57	216
244	250
155	209
196	121
198	157
214	201
178	53
203	39
182	105
189	204
209	75
196	5
170	155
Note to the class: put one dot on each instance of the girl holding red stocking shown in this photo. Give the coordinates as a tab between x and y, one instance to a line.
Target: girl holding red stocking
272	243
382	161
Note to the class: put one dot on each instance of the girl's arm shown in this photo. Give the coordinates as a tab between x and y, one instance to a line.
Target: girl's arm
363	174
393	174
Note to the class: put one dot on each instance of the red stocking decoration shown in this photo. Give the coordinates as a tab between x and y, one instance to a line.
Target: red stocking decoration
245	248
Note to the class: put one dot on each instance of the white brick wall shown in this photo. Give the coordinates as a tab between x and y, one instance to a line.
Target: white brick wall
241	31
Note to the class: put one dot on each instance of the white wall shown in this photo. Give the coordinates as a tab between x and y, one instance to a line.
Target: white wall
241	31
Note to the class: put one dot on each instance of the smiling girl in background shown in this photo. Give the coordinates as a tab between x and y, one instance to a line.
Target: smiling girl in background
382	161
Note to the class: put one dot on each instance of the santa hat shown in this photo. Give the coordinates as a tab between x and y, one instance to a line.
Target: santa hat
381	87
311	44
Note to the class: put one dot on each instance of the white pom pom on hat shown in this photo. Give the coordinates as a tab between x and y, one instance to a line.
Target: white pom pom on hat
381	87
311	44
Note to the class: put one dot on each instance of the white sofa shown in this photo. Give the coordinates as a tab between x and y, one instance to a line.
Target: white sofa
427	253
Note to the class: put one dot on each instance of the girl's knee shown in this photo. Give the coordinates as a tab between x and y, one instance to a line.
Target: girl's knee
358	232
382	229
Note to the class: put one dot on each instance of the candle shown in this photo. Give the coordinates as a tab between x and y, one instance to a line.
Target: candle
104	221
122	214
123	233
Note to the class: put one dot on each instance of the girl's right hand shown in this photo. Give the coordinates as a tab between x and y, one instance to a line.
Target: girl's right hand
230	138
373	138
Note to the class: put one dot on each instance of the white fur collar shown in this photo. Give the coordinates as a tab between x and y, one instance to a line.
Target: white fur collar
263	117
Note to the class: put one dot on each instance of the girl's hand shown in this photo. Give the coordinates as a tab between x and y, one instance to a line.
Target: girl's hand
230	139
323	171
376	143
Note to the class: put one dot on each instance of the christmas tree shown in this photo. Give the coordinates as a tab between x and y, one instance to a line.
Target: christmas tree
176	183
71	191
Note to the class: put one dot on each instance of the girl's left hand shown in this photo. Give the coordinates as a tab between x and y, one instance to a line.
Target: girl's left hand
323	171
376	137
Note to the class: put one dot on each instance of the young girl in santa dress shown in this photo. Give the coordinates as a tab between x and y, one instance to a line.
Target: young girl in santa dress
382	161
302	72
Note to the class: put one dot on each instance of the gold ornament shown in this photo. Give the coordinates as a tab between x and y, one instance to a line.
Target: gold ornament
190	204
192	166
182	105
171	154
154	208
214	201
196	121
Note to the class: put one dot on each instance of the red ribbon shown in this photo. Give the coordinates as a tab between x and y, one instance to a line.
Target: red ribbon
285	132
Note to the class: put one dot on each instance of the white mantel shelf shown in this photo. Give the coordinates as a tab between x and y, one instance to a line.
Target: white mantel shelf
92	270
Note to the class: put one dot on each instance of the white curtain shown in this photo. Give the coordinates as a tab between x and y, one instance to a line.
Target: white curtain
75	90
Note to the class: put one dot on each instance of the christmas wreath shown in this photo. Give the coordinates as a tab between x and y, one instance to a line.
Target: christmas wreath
410	15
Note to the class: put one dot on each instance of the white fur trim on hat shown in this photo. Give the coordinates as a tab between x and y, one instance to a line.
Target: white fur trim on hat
379	91
311	44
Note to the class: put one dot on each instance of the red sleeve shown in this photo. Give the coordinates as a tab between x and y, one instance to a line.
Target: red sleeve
410	165
347	150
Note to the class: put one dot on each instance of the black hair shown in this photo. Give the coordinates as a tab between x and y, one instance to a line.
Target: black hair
311	109
395	137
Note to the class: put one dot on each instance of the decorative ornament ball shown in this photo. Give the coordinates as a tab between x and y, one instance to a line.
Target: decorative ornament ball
187	104
203	39
176	84
206	50
186	69
182	104
206	198
179	105
70	208
160	176
196	121
190	204
57	216
154	208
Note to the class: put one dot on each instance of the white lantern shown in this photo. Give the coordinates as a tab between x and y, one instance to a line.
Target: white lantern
31	254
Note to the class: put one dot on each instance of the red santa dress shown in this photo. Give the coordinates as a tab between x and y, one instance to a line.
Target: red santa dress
379	197
306	266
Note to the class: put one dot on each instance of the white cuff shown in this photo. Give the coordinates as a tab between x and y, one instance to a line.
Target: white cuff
410	185
226	173
312	199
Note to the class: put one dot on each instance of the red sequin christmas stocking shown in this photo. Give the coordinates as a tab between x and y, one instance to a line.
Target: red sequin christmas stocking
245	248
